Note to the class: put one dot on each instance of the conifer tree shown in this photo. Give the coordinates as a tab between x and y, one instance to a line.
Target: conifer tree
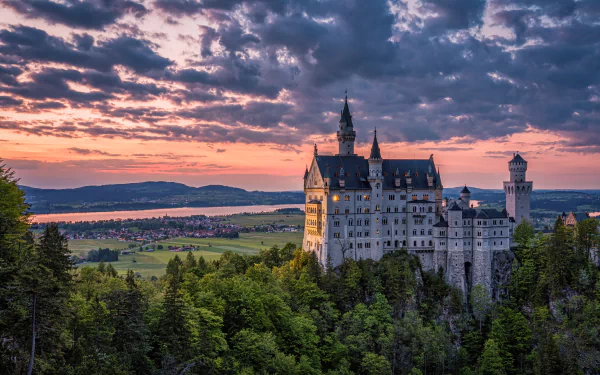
491	359
557	273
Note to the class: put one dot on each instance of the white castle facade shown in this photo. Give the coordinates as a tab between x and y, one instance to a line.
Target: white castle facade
363	208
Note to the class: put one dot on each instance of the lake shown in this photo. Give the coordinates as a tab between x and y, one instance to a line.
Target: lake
146	214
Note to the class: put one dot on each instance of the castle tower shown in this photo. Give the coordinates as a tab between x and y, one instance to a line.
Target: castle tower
465	195
346	133
518	189
455	267
375	179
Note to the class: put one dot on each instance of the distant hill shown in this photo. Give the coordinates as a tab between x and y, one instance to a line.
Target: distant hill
160	194
149	195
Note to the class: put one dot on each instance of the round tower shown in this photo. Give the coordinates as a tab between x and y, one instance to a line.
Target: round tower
518	189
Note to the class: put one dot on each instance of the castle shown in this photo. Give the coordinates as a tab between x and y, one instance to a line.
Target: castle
363	208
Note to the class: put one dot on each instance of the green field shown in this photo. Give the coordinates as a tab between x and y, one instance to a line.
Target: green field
153	263
252	220
81	247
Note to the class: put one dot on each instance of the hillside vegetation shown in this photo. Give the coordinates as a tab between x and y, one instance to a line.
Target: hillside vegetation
149	195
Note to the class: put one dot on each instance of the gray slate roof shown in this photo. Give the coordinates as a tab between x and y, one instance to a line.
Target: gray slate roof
353	165
465	190
518	158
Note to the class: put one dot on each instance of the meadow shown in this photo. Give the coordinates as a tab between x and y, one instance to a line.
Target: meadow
153	263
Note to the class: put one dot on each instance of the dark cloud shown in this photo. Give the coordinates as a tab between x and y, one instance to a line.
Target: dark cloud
85	14
86	151
220	150
8	101
33	44
283	65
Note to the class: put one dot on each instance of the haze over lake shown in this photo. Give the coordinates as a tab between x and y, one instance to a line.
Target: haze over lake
145	214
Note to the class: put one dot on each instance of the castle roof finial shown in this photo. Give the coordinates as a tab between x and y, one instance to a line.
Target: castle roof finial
316	151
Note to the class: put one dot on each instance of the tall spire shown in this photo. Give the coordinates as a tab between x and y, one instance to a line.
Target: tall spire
375	152
345	115
306	172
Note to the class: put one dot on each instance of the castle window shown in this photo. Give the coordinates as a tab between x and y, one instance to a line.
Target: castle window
404	209
350	234
389	243
347	198
392	197
501	222
346	210
403	197
430	209
494	233
377	231
455	223
388	233
429	232
430	243
368	245
358	210
485	222
385	221
500	232
366	210
500	242
414	232
422	243
422	232
359	222
403	233
403	220
336	223
494	222
494	243
336	210
396	220
396	209
376	207
388	209
359	245
404	243
366	234
351	245
358	234
367	197
430	221
414	209
425	197
415	243
336	235
359	197
350	222
366	222
414	197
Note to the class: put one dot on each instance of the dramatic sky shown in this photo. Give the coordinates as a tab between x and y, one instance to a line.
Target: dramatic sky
237	91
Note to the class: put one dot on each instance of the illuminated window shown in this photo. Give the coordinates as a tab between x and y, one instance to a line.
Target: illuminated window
336	198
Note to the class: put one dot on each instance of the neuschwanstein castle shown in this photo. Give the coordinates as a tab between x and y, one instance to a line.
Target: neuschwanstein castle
363	208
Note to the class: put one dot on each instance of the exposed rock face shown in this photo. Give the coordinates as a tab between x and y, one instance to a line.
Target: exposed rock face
501	270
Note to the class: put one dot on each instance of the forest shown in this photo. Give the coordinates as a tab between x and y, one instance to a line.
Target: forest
280	312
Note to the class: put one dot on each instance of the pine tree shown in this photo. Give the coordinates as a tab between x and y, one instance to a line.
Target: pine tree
558	259
491	359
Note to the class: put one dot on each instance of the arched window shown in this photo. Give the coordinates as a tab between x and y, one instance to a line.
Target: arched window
414	232
415	243
430	209
423	243
430	243
414	208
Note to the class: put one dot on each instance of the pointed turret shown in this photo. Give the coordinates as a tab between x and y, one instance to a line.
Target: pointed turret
346	134
375	152
306	173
